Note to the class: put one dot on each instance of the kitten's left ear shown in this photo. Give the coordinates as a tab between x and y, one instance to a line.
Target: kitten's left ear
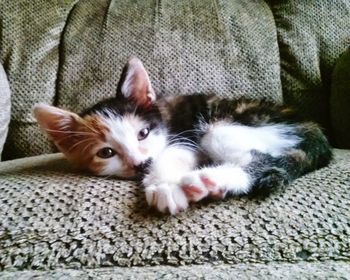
135	85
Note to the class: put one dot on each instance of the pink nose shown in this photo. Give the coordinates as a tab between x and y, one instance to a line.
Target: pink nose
133	162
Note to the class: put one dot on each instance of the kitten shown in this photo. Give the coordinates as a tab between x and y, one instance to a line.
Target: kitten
187	147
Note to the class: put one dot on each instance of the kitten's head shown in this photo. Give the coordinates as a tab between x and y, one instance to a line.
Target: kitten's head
118	136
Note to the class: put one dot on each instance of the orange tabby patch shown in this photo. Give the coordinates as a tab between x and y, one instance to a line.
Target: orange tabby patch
81	143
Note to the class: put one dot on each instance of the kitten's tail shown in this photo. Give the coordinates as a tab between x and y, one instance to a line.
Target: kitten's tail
315	146
271	174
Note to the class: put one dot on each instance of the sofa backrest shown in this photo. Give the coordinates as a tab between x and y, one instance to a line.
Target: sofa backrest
312	35
70	53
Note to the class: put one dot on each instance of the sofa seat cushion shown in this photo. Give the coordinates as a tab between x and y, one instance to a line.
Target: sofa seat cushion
54	217
304	270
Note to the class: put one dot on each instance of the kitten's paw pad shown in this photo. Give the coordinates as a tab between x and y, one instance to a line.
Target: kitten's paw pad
198	185
167	198
194	193
215	191
193	187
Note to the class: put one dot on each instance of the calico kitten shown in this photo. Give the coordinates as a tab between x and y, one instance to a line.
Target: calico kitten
187	147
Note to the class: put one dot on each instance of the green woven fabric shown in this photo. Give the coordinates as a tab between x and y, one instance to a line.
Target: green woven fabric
5	107
312	35
29	44
301	270
70	53
187	47
340	101
52	217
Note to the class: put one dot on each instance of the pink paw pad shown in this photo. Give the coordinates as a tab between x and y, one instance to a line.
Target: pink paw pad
191	191
214	191
208	183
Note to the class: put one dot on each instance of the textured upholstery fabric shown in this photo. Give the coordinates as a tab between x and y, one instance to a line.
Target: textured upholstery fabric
52	217
75	50
340	101
187	46
5	107
29	44
301	270
70	53
311	35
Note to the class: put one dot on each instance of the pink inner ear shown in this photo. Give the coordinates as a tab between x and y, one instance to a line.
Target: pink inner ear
140	89
58	126
136	85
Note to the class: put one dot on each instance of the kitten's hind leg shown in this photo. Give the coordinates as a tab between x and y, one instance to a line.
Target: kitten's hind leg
270	180
268	173
216	182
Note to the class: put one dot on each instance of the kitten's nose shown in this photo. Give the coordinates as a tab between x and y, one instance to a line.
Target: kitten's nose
142	168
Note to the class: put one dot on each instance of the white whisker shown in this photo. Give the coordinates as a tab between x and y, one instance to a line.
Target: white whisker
70	132
79	143
86	147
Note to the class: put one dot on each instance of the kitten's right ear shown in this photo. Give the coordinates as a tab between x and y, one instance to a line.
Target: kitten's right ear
135	85
60	125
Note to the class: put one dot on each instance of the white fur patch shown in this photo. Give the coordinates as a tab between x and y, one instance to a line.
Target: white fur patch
166	198
171	165
225	142
163	182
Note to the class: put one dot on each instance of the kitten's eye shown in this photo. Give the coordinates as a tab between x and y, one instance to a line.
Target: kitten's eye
105	153
143	134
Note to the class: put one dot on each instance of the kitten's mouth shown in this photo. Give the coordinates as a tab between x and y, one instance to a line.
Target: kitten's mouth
134	174
143	167
141	170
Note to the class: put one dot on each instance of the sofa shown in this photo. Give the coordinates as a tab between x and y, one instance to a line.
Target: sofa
57	222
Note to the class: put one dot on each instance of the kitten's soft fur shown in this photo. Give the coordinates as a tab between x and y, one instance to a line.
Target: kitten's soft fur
187	147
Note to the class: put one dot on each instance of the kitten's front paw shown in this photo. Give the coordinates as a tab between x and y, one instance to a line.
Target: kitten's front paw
166	198
200	184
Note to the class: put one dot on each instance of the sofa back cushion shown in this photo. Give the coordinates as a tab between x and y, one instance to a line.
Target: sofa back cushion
340	101
312	35
71	54
29	51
